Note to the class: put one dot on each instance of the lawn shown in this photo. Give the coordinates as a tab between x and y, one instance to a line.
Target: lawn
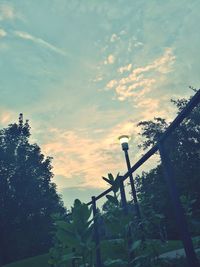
38	261
113	248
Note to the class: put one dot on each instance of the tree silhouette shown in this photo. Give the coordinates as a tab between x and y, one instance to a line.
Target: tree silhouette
28	198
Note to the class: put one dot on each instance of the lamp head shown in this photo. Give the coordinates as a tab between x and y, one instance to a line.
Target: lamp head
124	139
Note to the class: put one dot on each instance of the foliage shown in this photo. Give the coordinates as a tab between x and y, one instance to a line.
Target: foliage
114	182
183	147
150	191
73	238
113	211
27	195
119	224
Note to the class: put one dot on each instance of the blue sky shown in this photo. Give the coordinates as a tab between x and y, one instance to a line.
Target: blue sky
84	72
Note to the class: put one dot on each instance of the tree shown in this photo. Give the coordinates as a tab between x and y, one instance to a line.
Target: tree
28	198
183	147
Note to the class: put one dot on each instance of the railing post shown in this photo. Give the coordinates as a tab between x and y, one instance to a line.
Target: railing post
125	209
178	209
133	190
96	233
137	208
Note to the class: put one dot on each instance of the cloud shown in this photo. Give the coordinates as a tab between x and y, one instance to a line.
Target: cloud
39	41
8	12
80	155
125	68
111	84
141	87
114	37
142	79
110	59
137	44
6	116
98	78
3	33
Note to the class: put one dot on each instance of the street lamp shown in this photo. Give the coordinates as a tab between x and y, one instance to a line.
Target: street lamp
124	139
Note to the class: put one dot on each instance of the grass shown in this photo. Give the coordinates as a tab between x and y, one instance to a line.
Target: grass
177	244
114	248
38	261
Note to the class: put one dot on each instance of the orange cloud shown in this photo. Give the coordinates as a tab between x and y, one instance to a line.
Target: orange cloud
6	117
77	154
125	68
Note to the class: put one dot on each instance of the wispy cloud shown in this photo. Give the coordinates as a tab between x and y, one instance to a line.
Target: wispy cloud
142	79
39	41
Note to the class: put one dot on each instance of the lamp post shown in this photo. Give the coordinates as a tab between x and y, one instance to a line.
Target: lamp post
124	139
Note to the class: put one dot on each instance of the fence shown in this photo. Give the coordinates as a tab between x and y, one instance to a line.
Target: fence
170	181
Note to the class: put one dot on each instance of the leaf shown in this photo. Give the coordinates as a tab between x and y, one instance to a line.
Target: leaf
142	257
68	239
113	182
116	262
112	199
160	216
116	184
69	257
193	201
111	178
81	214
107	180
136	245
64	226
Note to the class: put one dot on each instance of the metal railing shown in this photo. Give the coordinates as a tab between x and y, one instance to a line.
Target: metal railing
170	181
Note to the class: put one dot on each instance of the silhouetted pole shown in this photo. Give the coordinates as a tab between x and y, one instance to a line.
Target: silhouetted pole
123	195
125	210
132	186
96	233
178	209
124	142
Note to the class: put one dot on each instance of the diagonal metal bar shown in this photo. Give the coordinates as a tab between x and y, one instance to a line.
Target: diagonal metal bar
195	100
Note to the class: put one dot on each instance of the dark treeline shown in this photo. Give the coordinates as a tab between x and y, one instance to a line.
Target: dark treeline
28	198
184	151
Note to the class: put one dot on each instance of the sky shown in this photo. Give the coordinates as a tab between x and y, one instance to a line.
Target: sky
85	72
